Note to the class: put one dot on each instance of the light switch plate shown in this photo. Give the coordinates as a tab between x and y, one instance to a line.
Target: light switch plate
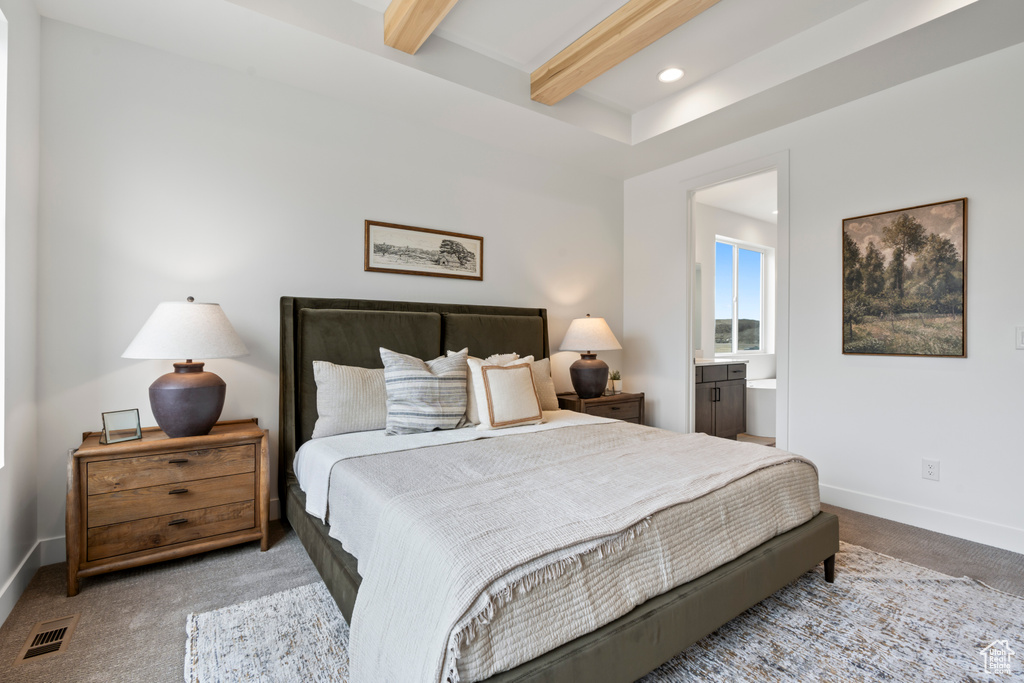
1020	338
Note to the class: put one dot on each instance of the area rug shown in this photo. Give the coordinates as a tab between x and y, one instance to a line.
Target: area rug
883	620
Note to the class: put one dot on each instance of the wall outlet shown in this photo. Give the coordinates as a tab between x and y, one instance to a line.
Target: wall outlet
930	469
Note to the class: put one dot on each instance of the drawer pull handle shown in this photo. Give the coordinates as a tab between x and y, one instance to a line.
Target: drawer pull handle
178	461
174	491
616	407
176	521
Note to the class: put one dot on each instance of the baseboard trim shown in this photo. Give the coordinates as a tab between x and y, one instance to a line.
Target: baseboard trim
977	530
19	581
52	550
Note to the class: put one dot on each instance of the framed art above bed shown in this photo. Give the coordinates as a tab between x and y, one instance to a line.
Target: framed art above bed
393	248
627	644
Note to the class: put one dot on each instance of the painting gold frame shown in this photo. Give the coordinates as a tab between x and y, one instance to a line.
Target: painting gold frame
905	282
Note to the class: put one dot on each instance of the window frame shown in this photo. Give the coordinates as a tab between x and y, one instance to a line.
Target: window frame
765	252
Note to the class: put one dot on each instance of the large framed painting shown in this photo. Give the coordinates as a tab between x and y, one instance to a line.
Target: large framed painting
905	282
391	248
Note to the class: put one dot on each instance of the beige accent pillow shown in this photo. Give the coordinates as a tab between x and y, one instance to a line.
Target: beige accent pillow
544	384
505	394
348	399
472	412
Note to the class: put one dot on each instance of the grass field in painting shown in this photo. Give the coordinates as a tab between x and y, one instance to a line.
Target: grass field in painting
907	334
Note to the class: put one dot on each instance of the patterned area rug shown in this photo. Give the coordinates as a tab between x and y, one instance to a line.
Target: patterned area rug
883	620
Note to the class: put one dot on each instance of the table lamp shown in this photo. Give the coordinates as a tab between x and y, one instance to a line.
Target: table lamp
188	401
589	375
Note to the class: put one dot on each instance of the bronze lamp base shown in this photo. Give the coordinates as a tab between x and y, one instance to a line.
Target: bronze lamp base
188	401
589	376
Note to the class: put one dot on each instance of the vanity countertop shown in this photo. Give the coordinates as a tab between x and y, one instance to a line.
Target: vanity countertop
718	361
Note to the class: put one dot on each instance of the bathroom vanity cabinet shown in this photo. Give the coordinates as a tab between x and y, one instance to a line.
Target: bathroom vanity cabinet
720	399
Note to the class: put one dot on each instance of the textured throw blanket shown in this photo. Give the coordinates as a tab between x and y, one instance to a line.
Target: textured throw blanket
436	551
316	459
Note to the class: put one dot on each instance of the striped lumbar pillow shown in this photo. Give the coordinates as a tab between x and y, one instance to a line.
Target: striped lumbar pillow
423	396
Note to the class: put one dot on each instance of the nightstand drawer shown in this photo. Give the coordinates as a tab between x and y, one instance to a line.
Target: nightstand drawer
154	532
125	506
627	410
123	474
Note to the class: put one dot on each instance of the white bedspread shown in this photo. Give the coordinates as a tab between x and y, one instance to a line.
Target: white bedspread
450	553
316	458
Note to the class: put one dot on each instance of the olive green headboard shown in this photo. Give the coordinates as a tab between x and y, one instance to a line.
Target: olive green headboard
351	332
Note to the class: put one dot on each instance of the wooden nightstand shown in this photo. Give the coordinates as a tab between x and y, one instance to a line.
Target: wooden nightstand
158	498
625	407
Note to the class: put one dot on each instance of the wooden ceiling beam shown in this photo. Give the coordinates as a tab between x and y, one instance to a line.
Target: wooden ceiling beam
407	23
625	32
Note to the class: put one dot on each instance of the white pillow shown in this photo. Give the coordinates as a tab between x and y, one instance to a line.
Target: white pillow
495	359
544	384
348	399
504	394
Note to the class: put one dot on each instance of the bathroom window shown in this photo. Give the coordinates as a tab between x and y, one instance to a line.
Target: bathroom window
740	286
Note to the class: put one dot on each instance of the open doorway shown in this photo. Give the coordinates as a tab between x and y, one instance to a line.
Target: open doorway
734	308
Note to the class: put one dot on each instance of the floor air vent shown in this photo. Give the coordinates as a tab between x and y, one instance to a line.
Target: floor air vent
48	638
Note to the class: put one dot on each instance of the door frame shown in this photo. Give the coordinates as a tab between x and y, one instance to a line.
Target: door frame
779	162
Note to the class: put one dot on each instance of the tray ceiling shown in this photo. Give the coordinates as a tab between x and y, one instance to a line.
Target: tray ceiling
751	65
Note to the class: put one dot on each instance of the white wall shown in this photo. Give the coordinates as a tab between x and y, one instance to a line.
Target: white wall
711	222
164	177
19	552
868	421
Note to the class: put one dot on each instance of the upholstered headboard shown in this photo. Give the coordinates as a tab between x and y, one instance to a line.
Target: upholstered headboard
351	332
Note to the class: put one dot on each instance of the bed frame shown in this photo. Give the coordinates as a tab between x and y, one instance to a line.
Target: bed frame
350	331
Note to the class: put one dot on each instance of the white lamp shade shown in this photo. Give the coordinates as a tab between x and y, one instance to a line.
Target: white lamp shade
184	330
589	334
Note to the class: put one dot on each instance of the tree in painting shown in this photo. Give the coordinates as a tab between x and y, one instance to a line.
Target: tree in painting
383	248
906	236
903	282
452	250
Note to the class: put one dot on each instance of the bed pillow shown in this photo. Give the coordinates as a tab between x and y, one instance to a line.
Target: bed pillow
348	399
544	384
472	414
473	398
505	395
424	396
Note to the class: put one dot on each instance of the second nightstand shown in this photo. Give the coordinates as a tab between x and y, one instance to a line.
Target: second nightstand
625	407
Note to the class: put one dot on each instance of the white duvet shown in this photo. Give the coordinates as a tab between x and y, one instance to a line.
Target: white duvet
479	556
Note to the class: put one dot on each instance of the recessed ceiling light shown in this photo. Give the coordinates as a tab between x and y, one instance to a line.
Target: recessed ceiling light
670	75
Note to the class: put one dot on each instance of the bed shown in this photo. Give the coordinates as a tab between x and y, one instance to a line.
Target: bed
350	332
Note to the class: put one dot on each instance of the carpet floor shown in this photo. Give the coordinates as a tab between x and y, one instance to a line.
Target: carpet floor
132	626
883	619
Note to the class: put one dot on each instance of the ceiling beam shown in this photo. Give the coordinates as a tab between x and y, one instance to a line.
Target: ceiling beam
625	32
407	23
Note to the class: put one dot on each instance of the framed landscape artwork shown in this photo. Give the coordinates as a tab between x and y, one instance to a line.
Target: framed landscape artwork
905	282
391	248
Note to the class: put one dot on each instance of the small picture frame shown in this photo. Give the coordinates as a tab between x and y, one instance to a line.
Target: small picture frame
121	425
